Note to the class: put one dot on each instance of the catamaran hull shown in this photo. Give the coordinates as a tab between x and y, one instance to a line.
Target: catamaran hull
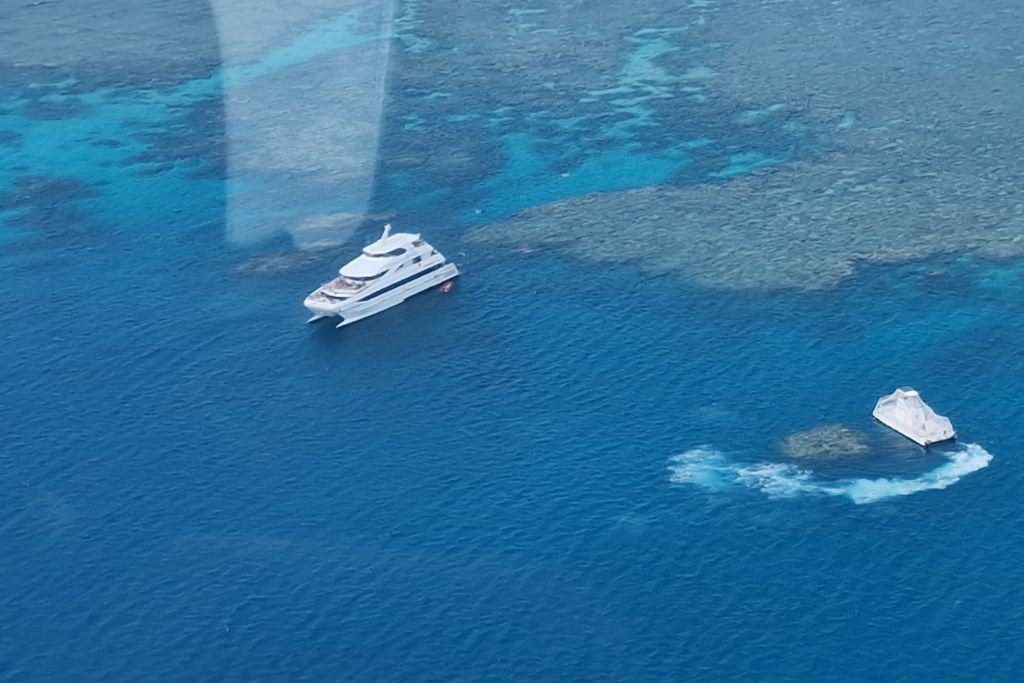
353	311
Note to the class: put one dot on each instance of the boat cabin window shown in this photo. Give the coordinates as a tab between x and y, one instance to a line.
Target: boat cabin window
366	278
418	243
393	252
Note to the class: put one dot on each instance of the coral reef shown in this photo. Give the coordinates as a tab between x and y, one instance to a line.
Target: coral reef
919	155
827	442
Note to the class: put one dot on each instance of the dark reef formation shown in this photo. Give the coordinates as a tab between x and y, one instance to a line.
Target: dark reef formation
827	442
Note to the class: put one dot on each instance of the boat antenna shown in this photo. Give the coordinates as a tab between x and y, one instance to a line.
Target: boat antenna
387	231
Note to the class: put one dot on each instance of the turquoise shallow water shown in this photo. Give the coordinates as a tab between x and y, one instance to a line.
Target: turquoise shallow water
485	483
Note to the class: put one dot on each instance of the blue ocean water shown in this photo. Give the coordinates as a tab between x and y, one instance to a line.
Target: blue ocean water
483	484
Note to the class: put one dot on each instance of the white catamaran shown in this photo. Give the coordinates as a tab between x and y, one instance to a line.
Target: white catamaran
388	272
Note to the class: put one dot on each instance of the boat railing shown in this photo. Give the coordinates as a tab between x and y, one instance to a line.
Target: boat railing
343	283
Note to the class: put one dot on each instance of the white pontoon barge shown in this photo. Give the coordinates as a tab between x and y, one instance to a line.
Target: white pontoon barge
904	411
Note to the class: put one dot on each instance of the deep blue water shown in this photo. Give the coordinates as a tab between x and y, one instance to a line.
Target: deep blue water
473	485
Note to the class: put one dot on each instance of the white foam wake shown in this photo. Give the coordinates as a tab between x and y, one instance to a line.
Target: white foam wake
706	467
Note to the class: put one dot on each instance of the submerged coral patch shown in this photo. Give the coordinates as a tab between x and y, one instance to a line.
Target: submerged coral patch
272	264
891	184
805	226
10	138
54	109
41	192
44	206
826	442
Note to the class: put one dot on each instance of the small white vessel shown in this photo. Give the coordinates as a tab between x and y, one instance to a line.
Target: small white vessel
388	272
904	411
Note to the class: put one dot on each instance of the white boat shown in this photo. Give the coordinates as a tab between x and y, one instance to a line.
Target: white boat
906	412
388	272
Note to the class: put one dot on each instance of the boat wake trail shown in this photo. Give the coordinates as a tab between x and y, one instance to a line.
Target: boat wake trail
706	467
